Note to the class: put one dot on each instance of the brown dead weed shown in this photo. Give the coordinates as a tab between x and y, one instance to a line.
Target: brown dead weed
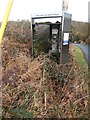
44	88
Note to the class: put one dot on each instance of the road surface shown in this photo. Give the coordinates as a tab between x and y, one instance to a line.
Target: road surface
86	51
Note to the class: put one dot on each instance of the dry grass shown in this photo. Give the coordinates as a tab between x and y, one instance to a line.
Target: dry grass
41	87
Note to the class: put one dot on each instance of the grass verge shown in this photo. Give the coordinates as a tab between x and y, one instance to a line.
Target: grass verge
82	70
81	62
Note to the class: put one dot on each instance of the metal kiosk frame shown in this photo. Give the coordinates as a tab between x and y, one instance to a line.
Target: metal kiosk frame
65	33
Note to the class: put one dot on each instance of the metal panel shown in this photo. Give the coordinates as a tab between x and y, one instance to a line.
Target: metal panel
64	54
40	16
66	28
67	22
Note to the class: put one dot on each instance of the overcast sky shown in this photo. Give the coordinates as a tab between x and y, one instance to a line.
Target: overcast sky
22	9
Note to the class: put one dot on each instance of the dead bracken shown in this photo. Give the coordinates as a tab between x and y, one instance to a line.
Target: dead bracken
40	87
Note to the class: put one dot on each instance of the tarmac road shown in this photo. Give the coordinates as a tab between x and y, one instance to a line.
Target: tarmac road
86	51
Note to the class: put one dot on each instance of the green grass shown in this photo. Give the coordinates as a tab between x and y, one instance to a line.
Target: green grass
81	62
80	58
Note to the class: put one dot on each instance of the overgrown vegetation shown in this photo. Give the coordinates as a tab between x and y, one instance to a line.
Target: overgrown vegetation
19	31
41	41
45	89
79	32
41	88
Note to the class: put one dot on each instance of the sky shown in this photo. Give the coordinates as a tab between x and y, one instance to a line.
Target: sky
23	9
